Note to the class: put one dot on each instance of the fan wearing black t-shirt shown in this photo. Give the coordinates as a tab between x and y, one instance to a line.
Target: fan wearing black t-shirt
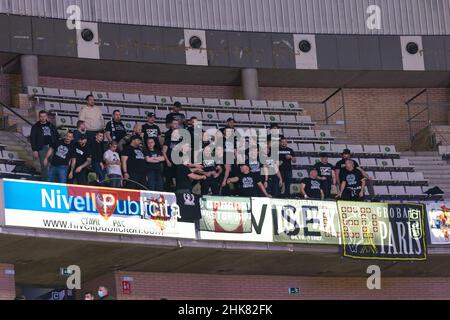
326	174
154	160
311	188
248	183
115	129
287	156
151	130
171	140
61	154
184	178
212	171
353	183
80	164
176	115
134	166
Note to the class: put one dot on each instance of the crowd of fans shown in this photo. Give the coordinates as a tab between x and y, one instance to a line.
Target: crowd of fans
143	159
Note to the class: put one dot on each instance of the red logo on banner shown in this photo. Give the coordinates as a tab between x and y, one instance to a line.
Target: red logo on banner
106	204
126	287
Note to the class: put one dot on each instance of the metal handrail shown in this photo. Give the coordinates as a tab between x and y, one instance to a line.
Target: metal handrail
15	113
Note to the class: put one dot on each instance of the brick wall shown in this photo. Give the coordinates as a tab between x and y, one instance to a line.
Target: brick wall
374	116
155	286
7	282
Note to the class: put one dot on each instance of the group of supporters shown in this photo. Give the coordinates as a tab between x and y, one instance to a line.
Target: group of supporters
144	158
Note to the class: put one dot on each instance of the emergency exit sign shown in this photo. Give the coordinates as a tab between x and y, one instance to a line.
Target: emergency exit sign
294	291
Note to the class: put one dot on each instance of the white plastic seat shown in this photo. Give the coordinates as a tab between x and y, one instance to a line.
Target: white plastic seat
381	190
399	176
306	147
161	113
299	174
82	94
261	104
294	146
257	117
241	117
210	116
288	119
190	114
63	121
295	188
291	105
48	105
164	100
338	148
416	176
143	112
333	161
388	149
323	134
401	163
183	100
211	102
304	119
52	92
115	96
147	98
308	134
413	191
355	148
290	133
227	103
322	148
303	161
384	163
371	149
70	107
224	116
131	112
105	111
100	95
128	97
313	161
383	176
34	91
368	163
111	109
129	125
10	155
195	101
275	104
444	150
397	190
272	118
371	174
243	103
69	93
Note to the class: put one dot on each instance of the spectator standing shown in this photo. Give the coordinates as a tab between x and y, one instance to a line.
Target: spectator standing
80	164
151	130
340	166
353	183
81	130
112	162
171	140
154	159
115	129
273	180
184	178
286	157
97	152
103	293
92	116
125	142
248	183
311	187
212	171
176	115
61	154
43	135
134	166
326	174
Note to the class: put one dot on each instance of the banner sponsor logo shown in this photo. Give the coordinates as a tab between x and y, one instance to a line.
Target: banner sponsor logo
439	222
382	231
93	209
305	221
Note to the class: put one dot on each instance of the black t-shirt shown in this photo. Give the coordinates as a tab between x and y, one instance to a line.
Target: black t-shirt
117	129
176	116
182	179
63	153
341	164
47	133
255	167
151	131
81	154
136	163
312	188
248	185
353	178
286	165
171	140
97	151
153	154
209	165
325	170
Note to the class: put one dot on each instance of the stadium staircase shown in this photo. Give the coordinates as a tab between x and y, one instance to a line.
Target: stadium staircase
434	168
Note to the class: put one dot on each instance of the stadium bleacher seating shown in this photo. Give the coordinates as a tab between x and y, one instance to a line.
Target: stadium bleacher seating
394	178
